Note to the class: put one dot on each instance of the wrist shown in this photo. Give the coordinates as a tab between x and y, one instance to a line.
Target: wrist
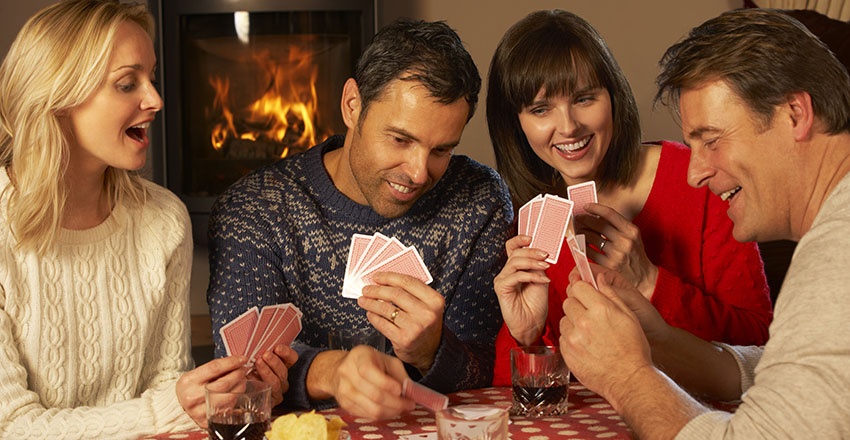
648	282
322	376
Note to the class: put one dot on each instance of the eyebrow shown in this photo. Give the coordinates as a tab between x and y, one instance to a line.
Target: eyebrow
404	133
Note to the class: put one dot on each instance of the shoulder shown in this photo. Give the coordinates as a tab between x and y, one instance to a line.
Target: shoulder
163	212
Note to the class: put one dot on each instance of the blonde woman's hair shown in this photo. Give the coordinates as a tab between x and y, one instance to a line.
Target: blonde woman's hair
58	60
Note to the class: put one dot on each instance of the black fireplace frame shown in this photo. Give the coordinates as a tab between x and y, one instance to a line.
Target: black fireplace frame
167	146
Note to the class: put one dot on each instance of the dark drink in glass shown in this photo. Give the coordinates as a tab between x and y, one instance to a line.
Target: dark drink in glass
238	425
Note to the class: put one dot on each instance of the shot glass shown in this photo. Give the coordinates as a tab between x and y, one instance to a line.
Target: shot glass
472	422
243	415
540	381
348	338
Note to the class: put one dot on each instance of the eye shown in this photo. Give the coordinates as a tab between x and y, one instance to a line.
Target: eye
126	86
443	151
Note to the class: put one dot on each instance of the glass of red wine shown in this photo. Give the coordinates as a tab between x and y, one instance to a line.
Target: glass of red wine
540	381
240	414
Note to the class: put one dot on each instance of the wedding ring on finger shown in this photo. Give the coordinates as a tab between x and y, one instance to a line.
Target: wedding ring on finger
394	314
602	245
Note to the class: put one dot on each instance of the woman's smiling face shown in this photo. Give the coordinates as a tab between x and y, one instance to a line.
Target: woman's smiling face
570	132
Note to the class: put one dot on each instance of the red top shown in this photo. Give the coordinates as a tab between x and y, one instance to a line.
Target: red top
708	283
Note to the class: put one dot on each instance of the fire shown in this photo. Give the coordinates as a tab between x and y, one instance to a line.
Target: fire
284	116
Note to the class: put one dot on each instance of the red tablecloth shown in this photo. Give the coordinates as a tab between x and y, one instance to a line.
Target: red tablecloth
589	417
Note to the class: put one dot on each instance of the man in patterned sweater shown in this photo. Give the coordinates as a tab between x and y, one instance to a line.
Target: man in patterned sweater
282	233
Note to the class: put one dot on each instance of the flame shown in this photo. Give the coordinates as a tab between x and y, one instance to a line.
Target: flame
285	114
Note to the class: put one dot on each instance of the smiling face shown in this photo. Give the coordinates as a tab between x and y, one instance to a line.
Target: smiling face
570	133
748	165
110	128
402	147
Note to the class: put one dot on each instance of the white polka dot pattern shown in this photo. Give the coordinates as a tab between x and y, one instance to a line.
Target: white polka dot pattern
589	417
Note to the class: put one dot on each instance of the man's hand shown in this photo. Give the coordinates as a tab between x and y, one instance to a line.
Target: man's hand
408	313
601	339
365	383
273	368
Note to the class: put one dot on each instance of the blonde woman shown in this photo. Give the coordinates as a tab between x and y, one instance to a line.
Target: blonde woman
94	260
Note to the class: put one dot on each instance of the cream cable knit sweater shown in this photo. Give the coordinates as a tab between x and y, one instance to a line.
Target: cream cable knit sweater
94	336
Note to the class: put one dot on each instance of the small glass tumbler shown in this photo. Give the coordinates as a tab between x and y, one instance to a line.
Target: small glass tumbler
243	415
472	422
348	338
540	381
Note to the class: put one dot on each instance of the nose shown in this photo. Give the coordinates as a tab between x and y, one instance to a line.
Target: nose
151	99
699	172
416	165
567	123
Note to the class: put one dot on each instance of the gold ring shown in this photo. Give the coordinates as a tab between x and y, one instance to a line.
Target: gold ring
394	314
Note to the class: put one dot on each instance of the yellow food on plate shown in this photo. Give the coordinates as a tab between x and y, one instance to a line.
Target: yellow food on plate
307	426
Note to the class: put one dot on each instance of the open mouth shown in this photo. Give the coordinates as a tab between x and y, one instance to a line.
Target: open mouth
729	194
138	132
575	146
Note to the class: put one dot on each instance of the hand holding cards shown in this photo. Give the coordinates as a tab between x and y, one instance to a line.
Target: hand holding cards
370	254
546	218
256	332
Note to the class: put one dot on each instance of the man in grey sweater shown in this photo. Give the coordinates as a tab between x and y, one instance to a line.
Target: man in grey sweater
766	109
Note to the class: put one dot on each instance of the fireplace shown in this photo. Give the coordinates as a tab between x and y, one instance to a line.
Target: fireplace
245	83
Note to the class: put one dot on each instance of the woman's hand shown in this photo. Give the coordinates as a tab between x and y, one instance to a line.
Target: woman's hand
227	373
522	288
615	242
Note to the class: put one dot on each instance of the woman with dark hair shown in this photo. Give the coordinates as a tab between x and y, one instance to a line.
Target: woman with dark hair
560	112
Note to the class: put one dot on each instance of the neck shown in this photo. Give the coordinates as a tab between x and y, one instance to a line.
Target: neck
88	203
830	165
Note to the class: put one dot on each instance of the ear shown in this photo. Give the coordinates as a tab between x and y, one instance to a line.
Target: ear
802	115
350	104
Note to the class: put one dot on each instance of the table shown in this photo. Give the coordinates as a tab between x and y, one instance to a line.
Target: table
589	417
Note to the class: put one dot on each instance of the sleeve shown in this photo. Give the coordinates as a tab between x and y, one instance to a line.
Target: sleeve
472	317
800	385
245	267
733	305
156	410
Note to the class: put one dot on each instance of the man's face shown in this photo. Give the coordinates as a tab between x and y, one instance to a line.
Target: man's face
402	147
748	165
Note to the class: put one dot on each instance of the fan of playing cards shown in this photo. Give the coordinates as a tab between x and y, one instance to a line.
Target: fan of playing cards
370	254
546	218
256	332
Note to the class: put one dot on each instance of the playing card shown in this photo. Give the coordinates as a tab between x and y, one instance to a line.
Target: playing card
285	324
375	245
407	262
424	396
237	333
582	194
581	261
534	213
424	436
359	244
522	219
390	249
552	226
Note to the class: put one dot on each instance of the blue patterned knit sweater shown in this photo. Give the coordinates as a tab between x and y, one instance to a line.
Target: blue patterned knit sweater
281	234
